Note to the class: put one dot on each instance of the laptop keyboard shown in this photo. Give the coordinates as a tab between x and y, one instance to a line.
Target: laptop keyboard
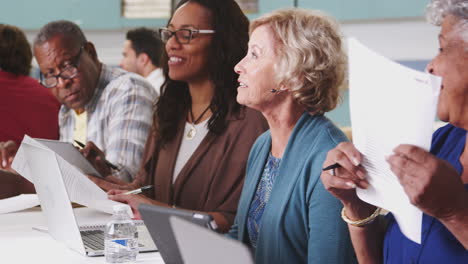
94	239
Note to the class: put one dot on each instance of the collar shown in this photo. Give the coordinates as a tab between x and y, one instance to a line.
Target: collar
156	73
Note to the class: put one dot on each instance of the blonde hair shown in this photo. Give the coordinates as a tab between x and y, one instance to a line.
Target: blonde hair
312	62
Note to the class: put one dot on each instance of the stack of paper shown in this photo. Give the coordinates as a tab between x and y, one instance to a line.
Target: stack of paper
79	187
18	203
390	105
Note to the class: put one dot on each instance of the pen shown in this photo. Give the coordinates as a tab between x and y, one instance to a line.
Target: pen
139	190
108	163
332	168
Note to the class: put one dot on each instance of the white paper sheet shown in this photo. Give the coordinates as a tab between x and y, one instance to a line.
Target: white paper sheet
79	187
71	154
18	203
390	105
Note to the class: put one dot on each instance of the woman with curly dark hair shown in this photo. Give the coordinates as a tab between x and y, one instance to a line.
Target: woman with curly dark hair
197	153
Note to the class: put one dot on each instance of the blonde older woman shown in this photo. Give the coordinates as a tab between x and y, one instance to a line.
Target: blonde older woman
292	74
435	182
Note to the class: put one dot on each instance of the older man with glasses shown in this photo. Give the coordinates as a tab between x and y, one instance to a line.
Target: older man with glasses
112	107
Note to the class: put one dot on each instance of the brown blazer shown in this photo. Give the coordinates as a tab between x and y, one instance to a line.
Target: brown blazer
212	178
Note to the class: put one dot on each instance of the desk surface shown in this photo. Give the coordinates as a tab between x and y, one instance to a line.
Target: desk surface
19	243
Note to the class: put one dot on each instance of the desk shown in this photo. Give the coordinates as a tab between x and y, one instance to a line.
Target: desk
20	244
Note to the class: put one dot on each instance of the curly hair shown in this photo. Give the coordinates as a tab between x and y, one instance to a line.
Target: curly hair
312	62
229	46
436	10
145	40
15	51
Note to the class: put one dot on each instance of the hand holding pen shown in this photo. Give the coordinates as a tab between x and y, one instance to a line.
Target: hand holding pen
342	172
93	151
139	190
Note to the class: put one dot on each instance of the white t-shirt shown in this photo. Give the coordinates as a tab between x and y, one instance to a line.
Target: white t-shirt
188	146
156	78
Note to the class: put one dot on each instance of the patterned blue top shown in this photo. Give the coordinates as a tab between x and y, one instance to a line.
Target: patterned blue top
261	198
438	245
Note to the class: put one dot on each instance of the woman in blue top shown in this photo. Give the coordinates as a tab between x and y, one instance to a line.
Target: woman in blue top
435	182
292	73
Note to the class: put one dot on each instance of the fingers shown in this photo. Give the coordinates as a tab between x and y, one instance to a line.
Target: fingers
349	158
119	182
7	153
403	166
123	198
350	151
340	183
116	191
413	153
103	184
89	150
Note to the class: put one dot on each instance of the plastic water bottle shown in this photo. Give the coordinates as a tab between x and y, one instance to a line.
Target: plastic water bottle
121	237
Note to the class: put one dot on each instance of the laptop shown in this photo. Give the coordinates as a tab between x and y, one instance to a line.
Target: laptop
198	245
156	219
62	224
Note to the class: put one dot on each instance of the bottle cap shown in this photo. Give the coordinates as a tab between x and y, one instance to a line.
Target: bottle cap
121	208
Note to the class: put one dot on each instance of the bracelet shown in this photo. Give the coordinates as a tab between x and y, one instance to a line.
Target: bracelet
361	222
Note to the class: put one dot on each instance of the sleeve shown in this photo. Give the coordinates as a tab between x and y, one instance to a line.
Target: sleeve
129	122
231	168
233	231
329	240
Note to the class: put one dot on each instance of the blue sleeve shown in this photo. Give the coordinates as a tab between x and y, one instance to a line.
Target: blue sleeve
329	240
233	232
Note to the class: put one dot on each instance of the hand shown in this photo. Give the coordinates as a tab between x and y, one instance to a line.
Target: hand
110	182
133	200
7	153
347	177
431	184
97	158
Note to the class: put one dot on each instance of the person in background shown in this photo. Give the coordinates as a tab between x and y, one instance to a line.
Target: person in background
110	107
197	152
436	182
27	107
292	73
142	55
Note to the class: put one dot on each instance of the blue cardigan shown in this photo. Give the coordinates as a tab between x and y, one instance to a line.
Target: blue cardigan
301	222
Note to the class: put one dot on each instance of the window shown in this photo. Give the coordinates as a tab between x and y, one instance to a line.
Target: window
146	8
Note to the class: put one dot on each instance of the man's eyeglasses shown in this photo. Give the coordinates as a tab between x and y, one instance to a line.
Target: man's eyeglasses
183	35
69	72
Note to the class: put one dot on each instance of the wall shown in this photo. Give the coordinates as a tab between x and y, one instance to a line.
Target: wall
396	28
106	14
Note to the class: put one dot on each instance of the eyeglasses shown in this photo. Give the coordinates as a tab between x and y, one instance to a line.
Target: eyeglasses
183	35
69	72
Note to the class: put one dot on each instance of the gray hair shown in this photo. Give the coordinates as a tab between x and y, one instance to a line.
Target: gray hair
437	10
65	28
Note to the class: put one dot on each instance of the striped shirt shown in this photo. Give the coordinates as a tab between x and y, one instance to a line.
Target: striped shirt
120	116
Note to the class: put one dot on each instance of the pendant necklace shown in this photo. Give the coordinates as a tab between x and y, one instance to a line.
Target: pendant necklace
192	130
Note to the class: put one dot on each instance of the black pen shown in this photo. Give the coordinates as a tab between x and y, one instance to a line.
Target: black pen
139	190
108	163
331	167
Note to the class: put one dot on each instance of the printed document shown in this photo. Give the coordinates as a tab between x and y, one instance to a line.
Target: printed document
79	187
390	105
